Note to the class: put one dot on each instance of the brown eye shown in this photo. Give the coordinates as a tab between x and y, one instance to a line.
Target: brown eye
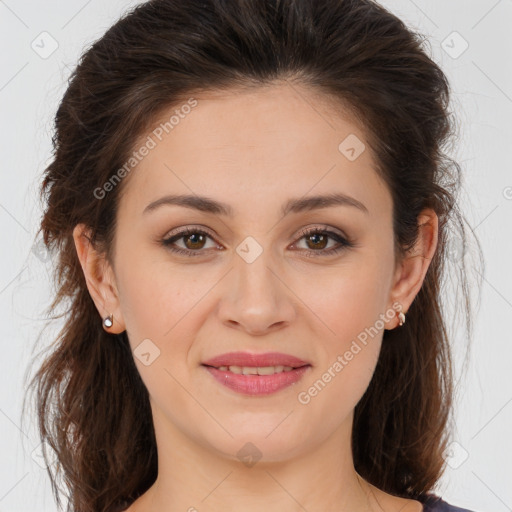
193	239
317	240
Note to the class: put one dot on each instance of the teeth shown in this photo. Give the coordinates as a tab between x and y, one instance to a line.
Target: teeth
252	370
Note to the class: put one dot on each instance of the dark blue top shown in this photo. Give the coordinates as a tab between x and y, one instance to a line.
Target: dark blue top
433	503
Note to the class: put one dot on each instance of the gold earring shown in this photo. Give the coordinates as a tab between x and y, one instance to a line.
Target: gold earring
401	318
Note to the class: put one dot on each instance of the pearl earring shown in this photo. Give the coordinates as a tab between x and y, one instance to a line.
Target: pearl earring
108	321
401	318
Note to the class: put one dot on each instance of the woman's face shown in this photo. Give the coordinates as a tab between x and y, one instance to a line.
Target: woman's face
255	282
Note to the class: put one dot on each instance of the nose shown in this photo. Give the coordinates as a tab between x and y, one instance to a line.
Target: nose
256	297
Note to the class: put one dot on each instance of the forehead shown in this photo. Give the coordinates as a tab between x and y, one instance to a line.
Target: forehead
255	149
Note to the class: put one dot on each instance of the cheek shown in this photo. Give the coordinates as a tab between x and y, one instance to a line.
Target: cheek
347	299
160	305
152	292
349	306
161	302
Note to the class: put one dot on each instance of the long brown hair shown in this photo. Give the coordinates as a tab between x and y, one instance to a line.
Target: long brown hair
93	409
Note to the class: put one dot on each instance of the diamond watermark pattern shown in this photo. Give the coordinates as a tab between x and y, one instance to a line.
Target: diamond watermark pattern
44	45
454	45
249	249
455	455
351	147
249	454
40	251
146	352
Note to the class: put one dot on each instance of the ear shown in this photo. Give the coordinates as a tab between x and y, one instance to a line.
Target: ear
100	279
411	270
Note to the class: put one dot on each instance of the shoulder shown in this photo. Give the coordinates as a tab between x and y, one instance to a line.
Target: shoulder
433	503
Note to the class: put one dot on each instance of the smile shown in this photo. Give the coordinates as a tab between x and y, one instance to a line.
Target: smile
250	380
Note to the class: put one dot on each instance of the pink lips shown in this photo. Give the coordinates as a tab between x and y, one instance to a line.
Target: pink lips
256	384
248	359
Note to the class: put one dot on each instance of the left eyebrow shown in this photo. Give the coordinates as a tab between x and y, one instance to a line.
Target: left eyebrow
322	201
296	205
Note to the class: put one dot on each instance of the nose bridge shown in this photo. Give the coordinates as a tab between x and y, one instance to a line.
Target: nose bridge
257	299
255	271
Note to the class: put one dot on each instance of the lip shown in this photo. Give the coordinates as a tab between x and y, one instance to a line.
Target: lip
255	360
257	384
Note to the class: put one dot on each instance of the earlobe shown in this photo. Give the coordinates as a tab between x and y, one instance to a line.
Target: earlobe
100	281
412	269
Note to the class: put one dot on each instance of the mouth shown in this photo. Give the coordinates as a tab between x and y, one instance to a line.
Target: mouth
256	374
257	384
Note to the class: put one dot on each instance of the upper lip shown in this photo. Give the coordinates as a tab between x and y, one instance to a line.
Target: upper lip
255	360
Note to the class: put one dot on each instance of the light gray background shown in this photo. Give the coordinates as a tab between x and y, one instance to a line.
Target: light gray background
32	82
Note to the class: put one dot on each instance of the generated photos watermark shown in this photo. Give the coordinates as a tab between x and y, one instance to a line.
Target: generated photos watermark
304	397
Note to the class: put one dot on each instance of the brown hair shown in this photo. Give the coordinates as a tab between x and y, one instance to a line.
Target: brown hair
92	407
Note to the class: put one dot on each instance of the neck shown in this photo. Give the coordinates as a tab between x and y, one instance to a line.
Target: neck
193	477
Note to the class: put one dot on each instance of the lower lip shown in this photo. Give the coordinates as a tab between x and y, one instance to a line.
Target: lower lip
257	384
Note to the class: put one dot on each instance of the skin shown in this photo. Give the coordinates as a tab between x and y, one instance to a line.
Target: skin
255	150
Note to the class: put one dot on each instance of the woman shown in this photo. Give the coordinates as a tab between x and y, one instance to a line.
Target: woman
251	207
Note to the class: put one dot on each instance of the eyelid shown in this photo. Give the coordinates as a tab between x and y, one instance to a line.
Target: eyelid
303	231
190	229
322	227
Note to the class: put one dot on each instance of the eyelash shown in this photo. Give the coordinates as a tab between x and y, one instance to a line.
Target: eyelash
345	244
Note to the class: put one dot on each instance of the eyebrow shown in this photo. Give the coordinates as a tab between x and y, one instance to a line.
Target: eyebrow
296	205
